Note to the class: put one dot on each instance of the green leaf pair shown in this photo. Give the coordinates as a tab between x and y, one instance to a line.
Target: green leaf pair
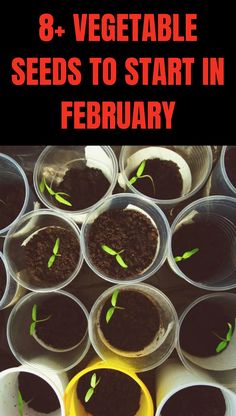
111	310
186	255
35	320
43	184
223	344
139	175
55	253
117	255
93	384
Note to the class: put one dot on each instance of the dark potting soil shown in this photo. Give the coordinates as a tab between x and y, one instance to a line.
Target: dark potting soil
11	202
126	230
85	186
67	324
2	279
166	176
37	393
135	326
116	394
199	330
196	401
209	238
40	248
230	164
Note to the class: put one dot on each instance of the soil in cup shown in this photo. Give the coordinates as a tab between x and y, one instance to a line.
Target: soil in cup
12	196
116	394
85	186
39	249
214	248
67	324
168	182
37	393
205	325
2	279
196	401
230	163
129	233
133	327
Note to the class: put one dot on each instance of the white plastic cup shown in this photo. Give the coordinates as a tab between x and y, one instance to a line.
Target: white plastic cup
11	172
13	291
28	350
54	161
9	390
172	377
19	235
222	366
138	203
155	353
195	163
219	182
223	210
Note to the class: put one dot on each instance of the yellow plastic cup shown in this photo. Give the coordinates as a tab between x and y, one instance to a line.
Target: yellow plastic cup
74	407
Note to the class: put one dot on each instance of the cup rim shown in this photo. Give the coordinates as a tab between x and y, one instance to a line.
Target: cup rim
223	168
26	186
135	197
167	202
73	227
44	200
7	286
170	257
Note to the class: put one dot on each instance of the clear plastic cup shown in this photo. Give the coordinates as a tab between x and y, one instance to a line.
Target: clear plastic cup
13	291
219	182
9	391
195	164
173	377
222	210
54	161
19	236
140	204
220	367
157	351
11	173
26	347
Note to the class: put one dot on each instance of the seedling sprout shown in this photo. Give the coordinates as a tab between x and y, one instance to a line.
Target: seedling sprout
114	306
93	384
186	255
224	341
58	195
55	253
139	175
35	320
117	255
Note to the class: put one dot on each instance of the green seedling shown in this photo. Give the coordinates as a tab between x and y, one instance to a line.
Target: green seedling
186	255
58	195
224	341
93	384
139	175
35	320
20	403
55	253
114	306
117	255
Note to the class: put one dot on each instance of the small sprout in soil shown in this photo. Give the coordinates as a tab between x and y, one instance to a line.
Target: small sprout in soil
223	344
186	255
35	320
93	383
139	175
111	310
55	253
112	252
43	184
20	403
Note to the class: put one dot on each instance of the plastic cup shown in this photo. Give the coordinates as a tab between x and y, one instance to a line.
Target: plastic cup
219	182
28	350
152	355
74	406
11	173
138	203
54	161
223	210
9	391
20	234
13	291
222	366
195	163
173	377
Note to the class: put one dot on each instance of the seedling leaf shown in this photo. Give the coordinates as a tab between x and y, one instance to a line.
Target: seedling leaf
229	333
50	191
62	200
178	258
93	380
42	186
109	314
141	168
56	246
34	312
89	394
51	261
188	254
221	346
114	297
121	261
20	403
133	180
108	250
32	328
